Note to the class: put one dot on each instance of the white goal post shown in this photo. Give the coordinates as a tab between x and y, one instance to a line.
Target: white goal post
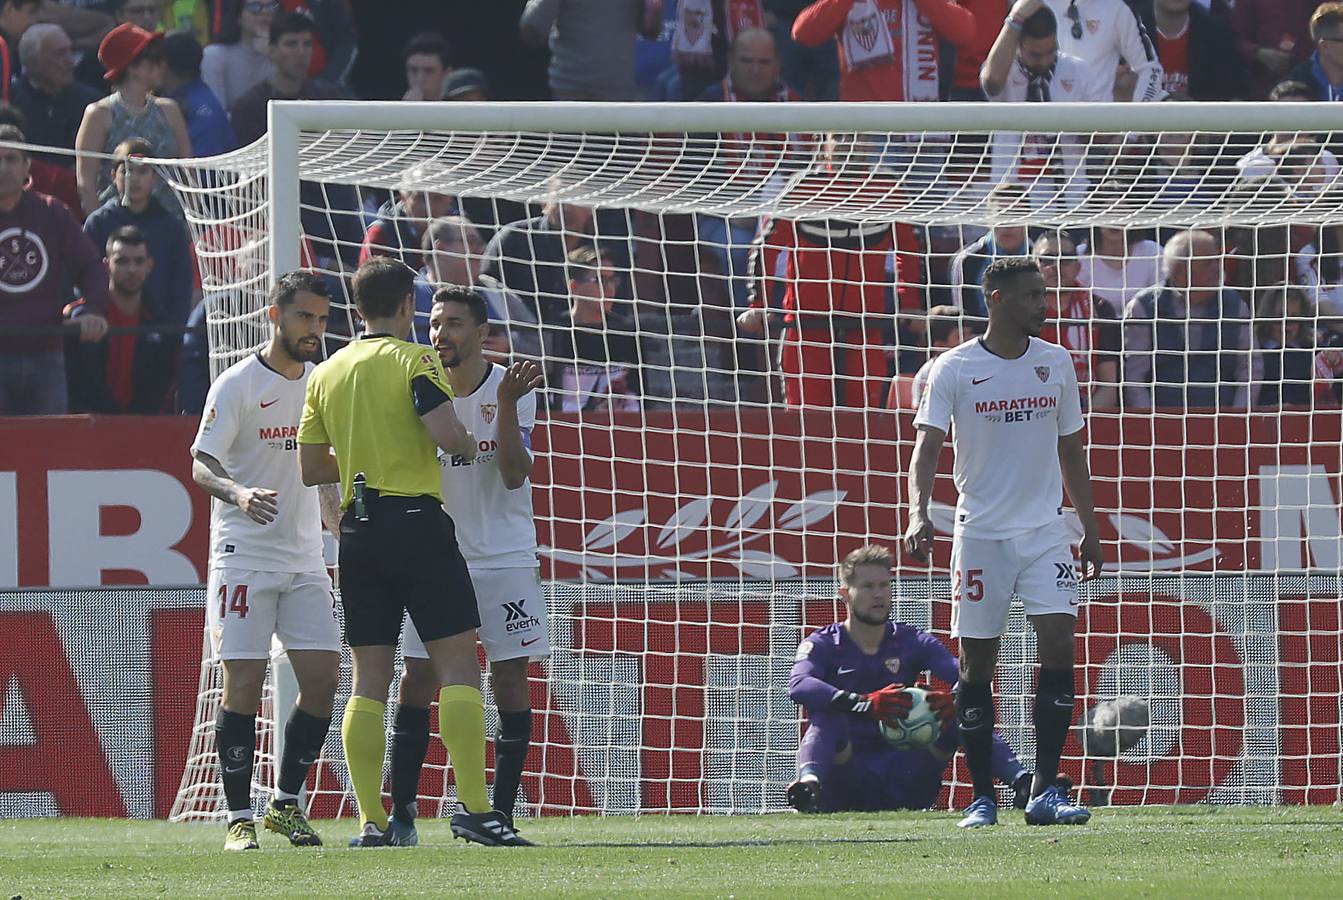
688	532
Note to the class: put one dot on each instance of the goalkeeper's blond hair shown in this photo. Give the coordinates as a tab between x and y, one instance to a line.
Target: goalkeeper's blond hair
866	555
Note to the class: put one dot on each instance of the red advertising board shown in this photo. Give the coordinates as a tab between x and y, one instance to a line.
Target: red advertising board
1216	522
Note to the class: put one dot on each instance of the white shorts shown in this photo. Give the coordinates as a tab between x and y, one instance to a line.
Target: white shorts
513	621
1037	567
243	609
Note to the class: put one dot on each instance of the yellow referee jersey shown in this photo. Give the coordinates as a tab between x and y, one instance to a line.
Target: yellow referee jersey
359	401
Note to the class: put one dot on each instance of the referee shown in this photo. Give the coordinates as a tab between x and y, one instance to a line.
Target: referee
384	405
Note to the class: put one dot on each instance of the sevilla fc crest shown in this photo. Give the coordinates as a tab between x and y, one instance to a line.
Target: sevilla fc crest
1093	26
487	411
893	665
865	30
1067	83
1042	372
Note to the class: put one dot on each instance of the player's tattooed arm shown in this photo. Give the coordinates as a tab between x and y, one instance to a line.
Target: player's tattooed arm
515	459
328	499
922	469
1077	482
260	504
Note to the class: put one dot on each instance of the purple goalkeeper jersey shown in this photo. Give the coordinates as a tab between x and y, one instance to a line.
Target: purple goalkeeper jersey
828	661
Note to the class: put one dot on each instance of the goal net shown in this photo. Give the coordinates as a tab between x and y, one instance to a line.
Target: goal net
732	304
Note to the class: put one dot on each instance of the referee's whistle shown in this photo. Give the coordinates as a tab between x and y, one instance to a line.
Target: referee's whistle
360	503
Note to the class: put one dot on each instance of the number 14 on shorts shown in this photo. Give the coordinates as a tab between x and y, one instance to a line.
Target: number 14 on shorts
235	604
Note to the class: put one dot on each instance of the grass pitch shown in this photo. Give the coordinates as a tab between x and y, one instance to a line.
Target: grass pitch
1159	852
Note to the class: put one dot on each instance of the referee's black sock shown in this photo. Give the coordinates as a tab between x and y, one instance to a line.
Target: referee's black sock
975	717
235	741
410	743
511	744
304	735
1053	713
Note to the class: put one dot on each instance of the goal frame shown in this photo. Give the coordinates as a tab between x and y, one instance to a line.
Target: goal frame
288	119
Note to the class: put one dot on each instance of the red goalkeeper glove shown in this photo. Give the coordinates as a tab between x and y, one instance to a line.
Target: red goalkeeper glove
943	705
890	702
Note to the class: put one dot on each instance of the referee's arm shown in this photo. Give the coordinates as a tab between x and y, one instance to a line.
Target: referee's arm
435	410
317	464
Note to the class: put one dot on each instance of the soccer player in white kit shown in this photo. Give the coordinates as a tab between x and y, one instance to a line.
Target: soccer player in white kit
267	576
1014	402
490	502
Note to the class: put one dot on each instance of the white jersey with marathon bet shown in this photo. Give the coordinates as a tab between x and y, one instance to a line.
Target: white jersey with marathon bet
251	425
495	531
1009	415
495	526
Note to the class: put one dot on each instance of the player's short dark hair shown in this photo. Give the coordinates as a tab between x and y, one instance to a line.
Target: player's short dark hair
457	293
288	286
1006	269
428	43
381	285
13	134
290	23
1040	24
1291	88
866	555
126	235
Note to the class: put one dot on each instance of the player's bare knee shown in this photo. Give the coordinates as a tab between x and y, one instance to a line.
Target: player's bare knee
419	685
454	659
508	680
979	659
1056	640
243	679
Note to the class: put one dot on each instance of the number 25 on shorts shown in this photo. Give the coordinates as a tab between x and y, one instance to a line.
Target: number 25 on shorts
238	604
974	585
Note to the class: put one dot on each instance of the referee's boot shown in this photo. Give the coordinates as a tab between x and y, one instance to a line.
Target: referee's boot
493	829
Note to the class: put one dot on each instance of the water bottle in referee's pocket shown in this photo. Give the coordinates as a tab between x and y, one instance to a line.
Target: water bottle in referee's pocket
360	501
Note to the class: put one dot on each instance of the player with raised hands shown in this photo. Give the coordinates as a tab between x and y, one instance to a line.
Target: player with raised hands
851	676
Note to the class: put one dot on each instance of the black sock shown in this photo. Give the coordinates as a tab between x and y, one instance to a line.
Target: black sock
235	741
304	735
410	743
975	716
1053	715
510	755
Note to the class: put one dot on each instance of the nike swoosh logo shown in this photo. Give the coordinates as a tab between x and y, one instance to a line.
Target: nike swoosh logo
272	403
529	643
979	380
233	771
844	671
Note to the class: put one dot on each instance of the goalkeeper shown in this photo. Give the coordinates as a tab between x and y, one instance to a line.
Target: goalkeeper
851	675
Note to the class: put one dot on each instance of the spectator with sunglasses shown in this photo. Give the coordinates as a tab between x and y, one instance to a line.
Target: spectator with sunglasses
1323	71
232	69
1108	36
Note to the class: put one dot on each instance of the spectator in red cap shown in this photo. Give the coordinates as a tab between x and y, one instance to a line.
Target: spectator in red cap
134	63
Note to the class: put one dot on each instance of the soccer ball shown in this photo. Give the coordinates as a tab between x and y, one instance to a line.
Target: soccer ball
919	729
1113	726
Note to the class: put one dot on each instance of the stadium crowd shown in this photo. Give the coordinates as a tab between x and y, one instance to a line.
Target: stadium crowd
101	301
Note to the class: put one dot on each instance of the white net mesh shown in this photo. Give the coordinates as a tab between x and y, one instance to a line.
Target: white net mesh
729	393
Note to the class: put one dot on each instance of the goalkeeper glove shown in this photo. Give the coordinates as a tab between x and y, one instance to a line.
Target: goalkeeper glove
943	705
890	702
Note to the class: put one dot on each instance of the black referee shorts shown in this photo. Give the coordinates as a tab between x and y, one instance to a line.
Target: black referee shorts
404	559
